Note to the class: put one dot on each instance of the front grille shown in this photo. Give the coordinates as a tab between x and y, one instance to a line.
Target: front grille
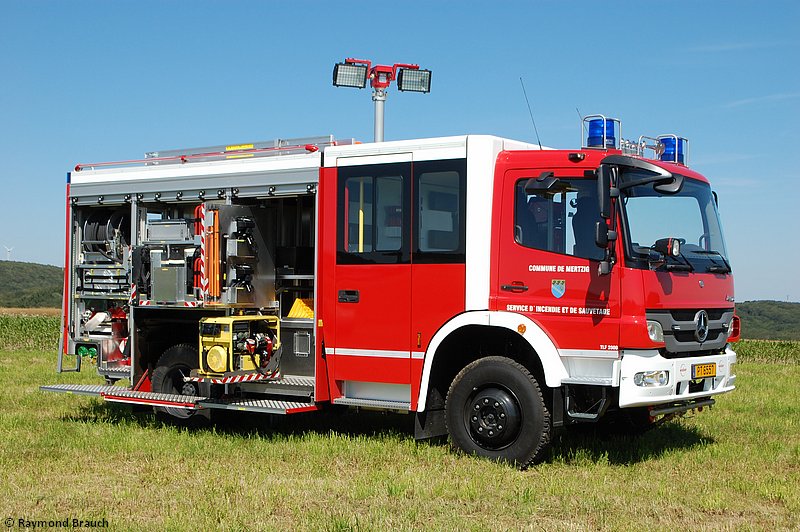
680	331
714	314
688	336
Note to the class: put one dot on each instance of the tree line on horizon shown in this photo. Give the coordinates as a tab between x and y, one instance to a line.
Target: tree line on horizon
29	285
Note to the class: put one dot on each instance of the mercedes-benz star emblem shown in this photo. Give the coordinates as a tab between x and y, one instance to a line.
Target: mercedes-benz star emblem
701	326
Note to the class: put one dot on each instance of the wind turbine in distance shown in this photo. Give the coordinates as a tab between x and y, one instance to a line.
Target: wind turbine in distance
8	252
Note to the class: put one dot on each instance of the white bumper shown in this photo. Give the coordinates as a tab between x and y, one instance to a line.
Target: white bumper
680	375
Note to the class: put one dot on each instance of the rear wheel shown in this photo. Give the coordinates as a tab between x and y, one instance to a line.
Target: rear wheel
174	364
495	409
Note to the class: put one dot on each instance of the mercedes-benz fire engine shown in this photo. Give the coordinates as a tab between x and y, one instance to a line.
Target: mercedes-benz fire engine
494	289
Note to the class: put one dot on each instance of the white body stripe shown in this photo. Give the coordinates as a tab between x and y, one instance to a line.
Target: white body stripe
588	353
343	351
554	370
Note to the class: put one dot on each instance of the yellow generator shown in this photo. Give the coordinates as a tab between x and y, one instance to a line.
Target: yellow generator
239	344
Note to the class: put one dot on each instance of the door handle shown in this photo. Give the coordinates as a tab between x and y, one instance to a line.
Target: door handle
515	286
348	296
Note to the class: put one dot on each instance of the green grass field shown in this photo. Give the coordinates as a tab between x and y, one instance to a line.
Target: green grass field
61	456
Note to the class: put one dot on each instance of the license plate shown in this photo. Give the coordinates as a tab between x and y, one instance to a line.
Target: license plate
701	371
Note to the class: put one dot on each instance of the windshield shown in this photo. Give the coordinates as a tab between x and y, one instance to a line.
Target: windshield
689	215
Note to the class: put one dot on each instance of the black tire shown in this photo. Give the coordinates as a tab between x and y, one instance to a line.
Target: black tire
174	364
495	409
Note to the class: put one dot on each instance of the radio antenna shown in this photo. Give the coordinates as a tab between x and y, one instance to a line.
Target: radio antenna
530	112
583	125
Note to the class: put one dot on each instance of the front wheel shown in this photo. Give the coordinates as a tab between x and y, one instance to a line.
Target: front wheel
495	409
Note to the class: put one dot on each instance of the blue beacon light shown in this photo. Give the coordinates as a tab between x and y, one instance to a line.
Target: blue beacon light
673	149
595	139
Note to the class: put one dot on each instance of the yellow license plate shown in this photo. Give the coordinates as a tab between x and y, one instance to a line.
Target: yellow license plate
701	371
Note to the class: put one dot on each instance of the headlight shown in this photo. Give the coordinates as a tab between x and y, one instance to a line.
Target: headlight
649	379
655	331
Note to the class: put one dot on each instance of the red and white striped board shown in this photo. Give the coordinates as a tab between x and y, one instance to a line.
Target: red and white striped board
250	377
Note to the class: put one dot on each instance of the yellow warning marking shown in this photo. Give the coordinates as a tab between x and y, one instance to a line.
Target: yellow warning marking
239	147
240	156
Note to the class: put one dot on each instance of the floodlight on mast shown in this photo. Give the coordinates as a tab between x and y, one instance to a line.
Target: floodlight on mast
354	73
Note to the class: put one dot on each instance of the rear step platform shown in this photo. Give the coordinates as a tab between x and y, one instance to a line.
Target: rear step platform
266	406
81	389
118	394
151	398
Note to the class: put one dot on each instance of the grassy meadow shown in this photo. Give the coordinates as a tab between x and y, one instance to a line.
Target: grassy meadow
64	456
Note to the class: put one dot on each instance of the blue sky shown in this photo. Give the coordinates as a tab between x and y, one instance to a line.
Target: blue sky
92	81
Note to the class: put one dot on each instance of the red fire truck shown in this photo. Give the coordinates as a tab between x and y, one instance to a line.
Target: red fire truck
495	289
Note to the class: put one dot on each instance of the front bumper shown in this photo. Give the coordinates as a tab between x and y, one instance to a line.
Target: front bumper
678	386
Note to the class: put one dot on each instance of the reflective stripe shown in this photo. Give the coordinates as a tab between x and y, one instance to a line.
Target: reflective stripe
341	351
588	353
418	355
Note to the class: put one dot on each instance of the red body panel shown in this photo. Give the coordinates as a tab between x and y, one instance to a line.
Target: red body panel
400	308
586	316
438	294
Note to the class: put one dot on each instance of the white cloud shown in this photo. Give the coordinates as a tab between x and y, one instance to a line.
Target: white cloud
764	99
736	46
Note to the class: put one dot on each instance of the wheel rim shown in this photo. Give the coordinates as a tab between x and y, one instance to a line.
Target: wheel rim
175	385
493	417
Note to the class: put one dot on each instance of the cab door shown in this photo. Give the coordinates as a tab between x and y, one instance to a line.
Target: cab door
372	276
548	264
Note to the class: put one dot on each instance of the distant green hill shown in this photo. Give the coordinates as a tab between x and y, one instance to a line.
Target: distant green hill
28	285
770	320
24	284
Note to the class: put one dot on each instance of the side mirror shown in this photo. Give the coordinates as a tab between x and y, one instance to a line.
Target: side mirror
602	235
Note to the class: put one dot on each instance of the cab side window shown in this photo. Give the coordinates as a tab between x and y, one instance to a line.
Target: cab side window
373	215
440	207
561	222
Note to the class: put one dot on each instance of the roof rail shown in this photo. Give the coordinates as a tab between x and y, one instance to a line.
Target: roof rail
232	151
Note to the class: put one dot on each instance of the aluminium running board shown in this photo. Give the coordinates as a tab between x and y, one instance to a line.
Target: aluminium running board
118	394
